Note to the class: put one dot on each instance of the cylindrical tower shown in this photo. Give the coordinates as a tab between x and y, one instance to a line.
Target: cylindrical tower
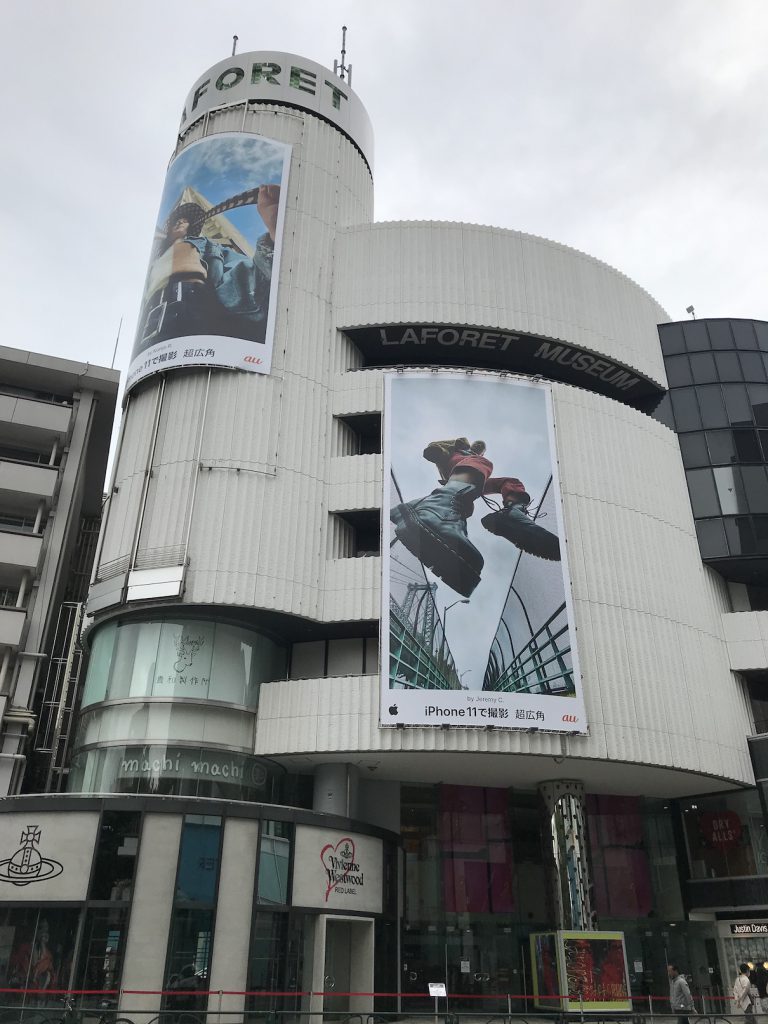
214	554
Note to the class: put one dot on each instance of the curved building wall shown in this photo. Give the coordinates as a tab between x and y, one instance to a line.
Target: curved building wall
207	470
240	494
657	681
437	272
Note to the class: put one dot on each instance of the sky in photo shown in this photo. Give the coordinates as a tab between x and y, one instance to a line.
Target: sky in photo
512	419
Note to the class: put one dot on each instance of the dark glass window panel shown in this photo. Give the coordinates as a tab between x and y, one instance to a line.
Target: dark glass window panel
739	534
115	860
694	450
266	964
678	371
760	526
737	404
686	409
701	485
758	602
730	490
764	357
280	960
199	858
189	958
758	398
274	862
763	434
761	332
721	447
711	534
696	339
756	488
672	341
663	412
728	366
747	446
712	407
703	367
102	950
720	333
752	364
744	333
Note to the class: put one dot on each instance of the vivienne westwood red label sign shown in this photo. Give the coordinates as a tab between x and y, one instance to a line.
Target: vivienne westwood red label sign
721	829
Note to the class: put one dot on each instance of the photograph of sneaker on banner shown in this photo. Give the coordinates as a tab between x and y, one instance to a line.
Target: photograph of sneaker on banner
476	602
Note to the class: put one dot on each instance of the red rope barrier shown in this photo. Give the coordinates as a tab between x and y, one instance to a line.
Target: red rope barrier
456	996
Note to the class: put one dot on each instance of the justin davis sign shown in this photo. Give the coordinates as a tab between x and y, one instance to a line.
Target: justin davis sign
337	870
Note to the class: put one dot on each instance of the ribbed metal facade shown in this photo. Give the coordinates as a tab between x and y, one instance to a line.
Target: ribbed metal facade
247	482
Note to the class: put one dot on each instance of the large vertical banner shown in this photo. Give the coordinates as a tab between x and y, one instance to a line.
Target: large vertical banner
211	289
476	612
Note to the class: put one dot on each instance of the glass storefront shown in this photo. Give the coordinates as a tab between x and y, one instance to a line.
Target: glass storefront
190	943
476	888
725	836
36	950
181	658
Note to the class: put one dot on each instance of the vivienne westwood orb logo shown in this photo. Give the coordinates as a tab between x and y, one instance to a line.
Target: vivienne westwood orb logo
27	865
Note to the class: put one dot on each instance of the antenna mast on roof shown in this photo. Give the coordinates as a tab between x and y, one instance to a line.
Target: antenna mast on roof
234	45
339	67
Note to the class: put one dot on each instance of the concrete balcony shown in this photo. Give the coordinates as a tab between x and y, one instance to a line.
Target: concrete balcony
23	485
11	626
19	554
33	422
746	634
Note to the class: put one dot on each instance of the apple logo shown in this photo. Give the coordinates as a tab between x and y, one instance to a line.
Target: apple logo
393	709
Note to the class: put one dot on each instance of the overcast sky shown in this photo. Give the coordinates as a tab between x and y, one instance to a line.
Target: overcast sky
634	130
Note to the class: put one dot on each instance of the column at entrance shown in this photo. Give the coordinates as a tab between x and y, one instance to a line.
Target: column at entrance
565	831
335	789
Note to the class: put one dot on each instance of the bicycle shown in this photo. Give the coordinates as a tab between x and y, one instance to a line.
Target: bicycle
71	1015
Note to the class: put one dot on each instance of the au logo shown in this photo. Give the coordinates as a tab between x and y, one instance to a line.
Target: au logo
570	718
27	865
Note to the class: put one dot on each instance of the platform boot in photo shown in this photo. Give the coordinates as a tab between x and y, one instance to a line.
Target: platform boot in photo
516	524
434	529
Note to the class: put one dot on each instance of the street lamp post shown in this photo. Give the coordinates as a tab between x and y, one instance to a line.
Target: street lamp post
462	600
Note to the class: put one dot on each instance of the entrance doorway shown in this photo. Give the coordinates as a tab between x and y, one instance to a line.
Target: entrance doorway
347	964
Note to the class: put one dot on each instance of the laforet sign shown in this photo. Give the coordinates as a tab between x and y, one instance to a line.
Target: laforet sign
284	79
451	345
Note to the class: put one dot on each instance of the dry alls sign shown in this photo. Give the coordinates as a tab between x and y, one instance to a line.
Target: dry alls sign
337	870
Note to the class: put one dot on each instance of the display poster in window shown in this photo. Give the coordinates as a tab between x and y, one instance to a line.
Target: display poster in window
210	296
336	870
545	967
477	620
574	971
46	856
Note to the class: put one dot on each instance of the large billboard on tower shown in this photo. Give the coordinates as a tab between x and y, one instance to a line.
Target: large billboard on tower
210	296
476	603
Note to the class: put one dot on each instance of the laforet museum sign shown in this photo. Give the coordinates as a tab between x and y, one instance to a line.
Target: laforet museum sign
493	349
